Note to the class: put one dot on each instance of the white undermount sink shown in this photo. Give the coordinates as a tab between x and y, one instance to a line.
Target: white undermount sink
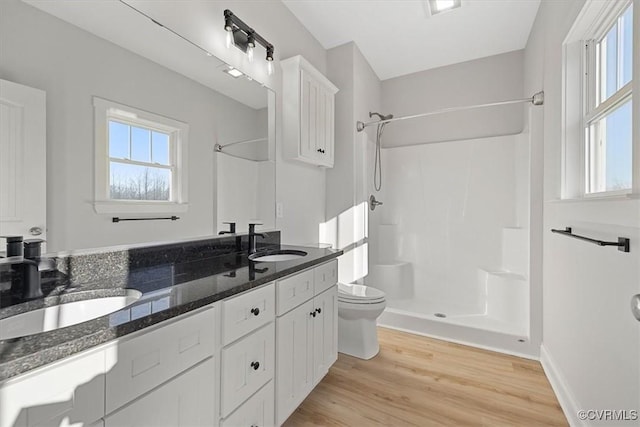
277	255
62	315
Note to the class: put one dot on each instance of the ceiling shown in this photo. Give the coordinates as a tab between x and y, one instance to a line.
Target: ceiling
399	37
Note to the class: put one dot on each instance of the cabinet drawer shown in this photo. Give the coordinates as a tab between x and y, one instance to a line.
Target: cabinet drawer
247	312
293	291
326	276
247	365
71	389
257	411
185	401
140	364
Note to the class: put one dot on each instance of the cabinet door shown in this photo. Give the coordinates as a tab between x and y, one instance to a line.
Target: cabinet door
247	365
309	116
69	392
187	400
255	412
325	129
325	333
294	366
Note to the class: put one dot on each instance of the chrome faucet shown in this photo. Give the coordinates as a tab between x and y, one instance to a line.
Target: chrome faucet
253	237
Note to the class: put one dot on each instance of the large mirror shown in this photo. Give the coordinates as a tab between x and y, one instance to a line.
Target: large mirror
80	52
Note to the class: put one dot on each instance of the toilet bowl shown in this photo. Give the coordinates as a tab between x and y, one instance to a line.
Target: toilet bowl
358	308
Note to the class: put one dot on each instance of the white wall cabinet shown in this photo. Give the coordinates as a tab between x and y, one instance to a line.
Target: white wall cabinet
309	112
306	340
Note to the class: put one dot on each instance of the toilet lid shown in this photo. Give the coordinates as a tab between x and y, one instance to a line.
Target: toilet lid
359	293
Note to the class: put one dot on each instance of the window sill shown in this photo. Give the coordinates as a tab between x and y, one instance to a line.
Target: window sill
139	207
608	198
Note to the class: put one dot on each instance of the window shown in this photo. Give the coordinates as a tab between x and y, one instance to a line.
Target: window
597	104
608	141
140	160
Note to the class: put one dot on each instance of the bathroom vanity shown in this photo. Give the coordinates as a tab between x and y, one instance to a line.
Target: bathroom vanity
219	340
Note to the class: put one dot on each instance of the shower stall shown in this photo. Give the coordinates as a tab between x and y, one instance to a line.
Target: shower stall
450	244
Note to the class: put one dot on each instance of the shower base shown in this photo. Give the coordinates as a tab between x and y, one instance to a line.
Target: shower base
457	324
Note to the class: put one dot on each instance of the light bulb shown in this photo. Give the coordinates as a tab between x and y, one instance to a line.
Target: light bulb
229	39
250	53
270	67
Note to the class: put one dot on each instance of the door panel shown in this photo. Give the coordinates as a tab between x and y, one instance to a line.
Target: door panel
22	160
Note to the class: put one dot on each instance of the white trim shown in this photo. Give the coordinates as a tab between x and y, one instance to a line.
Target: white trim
579	110
560	388
104	110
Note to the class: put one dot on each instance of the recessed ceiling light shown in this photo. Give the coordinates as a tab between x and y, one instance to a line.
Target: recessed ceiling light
438	6
233	72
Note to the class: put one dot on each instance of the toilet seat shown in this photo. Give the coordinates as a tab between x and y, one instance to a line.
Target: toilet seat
359	294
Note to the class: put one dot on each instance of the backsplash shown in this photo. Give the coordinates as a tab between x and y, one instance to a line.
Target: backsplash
118	263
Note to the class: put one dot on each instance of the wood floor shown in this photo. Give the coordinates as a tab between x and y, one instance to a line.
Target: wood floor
419	381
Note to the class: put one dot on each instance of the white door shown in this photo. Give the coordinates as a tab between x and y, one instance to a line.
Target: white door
23	161
294	370
325	333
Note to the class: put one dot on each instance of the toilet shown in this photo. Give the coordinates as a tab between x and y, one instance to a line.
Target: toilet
358	308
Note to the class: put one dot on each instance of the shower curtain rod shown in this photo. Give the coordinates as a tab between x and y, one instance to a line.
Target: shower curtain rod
219	147
536	99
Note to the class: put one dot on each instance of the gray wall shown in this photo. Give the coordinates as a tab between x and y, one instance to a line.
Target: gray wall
349	182
491	79
590	340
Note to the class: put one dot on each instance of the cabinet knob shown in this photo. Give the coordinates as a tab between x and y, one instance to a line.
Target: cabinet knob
255	365
255	311
318	310
313	313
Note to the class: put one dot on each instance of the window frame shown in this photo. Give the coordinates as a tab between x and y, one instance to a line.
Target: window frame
579	109
594	109
105	111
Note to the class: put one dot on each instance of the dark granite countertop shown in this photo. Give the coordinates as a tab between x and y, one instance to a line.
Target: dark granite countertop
168	290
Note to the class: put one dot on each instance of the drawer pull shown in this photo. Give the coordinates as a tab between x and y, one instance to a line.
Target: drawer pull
255	311
318	310
255	365
313	313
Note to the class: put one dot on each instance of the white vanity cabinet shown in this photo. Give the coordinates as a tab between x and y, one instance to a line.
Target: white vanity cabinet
309	112
248	360
306	336
162	375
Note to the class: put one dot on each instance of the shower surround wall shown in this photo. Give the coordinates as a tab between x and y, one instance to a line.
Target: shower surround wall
451	204
456	197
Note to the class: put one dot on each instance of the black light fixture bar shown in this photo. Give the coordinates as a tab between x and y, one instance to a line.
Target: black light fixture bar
232	22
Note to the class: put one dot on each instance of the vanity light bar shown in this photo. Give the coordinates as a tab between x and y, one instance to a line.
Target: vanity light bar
245	38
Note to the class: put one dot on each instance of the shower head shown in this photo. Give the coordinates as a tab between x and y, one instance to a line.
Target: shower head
382	118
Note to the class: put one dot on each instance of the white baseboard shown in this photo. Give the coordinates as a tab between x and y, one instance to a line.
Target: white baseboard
559	386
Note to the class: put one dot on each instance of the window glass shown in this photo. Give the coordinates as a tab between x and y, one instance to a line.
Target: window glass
609	64
140	144
160	148
611	151
118	140
626	62
134	182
